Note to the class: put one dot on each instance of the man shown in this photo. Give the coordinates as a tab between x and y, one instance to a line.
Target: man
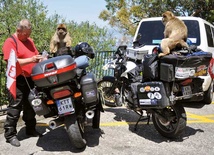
27	56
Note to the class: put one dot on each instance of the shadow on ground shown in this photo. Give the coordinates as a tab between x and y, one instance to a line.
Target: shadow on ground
58	140
145	130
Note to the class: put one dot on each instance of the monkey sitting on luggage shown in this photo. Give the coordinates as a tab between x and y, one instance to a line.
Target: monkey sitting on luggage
65	51
60	39
175	33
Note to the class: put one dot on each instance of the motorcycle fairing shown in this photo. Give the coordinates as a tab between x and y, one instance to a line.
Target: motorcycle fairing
129	66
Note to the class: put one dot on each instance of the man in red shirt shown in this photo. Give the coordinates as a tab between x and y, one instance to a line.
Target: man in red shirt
27	56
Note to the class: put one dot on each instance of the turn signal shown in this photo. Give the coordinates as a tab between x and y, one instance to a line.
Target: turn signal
77	94
49	102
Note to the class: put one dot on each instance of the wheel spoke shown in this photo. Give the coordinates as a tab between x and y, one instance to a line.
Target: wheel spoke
107	90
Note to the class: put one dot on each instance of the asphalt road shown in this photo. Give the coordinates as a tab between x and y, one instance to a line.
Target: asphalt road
117	136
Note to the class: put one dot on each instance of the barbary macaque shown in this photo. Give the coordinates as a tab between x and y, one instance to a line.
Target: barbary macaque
61	38
175	33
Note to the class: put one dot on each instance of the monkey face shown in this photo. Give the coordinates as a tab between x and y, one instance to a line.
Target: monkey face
166	16
61	30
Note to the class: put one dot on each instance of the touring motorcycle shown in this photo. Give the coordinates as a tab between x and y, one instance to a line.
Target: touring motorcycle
161	87
65	91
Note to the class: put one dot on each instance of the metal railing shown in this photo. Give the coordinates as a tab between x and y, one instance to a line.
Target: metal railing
96	64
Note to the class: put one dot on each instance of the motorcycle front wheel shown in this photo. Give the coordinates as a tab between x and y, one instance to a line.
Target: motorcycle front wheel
75	130
170	122
106	88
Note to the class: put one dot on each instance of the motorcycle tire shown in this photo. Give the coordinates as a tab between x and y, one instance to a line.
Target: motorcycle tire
105	86
75	130
208	95
170	122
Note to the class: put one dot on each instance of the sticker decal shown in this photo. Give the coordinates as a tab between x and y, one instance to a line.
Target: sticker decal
150	95
157	95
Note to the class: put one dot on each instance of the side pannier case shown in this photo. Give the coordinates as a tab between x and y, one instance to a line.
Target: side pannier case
54	71
152	95
184	66
89	89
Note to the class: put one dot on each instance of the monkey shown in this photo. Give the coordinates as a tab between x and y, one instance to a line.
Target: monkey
61	38
175	33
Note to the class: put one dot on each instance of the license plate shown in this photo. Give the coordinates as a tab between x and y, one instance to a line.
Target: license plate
186	90
65	106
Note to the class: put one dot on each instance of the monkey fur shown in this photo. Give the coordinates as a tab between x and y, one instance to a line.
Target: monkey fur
61	38
175	33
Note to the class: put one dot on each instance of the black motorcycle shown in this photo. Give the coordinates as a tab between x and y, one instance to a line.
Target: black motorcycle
161	87
65	91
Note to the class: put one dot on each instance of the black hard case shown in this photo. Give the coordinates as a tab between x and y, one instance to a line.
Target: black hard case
149	96
63	67
199	62
89	89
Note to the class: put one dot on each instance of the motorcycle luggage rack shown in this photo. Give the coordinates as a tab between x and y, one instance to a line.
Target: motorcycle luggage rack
188	96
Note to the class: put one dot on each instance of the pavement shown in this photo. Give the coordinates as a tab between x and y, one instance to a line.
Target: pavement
20	122
117	135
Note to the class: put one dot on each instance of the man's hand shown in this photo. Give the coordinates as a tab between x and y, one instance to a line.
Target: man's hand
36	58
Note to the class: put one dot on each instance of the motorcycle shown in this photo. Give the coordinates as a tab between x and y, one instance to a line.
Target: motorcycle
66	92
161	87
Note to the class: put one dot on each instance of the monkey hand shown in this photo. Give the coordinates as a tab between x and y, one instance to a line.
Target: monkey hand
161	54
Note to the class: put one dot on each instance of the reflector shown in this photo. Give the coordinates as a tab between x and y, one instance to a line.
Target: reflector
61	93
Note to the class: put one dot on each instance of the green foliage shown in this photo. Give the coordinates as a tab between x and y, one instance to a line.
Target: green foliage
44	27
124	14
98	38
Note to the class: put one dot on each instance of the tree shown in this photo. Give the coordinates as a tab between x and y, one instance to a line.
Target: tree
124	14
99	38
44	27
30	9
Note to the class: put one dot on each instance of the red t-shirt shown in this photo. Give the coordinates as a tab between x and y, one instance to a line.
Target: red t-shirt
25	49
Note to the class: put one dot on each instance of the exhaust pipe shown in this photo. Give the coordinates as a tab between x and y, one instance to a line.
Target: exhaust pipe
53	124
89	114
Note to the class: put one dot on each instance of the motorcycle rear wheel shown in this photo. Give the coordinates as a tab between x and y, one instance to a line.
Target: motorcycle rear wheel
170	122
105	86
75	130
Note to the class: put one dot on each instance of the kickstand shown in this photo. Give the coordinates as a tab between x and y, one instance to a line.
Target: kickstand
141	118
